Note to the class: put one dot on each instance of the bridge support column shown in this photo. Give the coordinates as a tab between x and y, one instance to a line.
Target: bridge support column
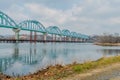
75	39
60	39
31	36
55	37
69	38
16	34
72	39
44	36
52	37
66	38
35	37
82	40
78	39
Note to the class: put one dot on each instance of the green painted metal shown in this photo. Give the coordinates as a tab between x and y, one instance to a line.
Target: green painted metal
74	35
6	21
54	30
36	26
66	32
32	25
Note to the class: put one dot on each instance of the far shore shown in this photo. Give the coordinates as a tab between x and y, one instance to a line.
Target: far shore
108	44
59	72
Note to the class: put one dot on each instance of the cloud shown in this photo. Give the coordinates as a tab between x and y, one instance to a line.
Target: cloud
88	16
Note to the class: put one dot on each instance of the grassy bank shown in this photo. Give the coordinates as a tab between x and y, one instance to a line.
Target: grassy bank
58	72
108	44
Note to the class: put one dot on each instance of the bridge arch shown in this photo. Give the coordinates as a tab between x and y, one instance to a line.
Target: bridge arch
54	30
79	35
84	36
32	25
74	35
66	32
6	21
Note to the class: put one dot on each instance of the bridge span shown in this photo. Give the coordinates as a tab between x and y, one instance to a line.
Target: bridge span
34	27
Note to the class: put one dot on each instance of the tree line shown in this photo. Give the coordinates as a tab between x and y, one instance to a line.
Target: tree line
108	38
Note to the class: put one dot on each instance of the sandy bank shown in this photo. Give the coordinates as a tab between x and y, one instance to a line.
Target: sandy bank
108	44
90	70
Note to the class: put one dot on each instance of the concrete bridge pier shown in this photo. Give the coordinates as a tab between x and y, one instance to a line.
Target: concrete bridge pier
35	37
83	40
69	38
60	38
73	39
76	39
16	34
64	39
44	36
79	39
53	37
31	35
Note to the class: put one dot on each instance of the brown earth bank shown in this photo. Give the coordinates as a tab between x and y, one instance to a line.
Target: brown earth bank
108	44
110	72
91	70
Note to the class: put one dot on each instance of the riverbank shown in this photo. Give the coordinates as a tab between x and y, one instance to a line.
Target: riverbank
108	44
59	72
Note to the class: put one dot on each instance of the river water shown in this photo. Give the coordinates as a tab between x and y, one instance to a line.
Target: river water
25	58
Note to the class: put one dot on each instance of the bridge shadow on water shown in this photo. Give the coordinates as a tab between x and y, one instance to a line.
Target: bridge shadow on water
29	60
25	58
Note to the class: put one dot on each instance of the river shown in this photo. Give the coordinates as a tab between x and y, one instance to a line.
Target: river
25	58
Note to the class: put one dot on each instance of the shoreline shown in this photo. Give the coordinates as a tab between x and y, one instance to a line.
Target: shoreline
107	44
59	72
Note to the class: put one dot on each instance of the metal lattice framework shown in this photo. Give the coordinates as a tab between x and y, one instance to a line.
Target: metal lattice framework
79	35
32	25
54	30
6	21
74	35
82	36
66	32
85	36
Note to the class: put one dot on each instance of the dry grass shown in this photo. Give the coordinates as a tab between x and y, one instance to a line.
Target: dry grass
58	72
108	44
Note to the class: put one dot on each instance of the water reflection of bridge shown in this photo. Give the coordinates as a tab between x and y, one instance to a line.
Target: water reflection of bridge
27	59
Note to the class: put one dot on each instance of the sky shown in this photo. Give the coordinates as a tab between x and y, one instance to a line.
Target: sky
83	16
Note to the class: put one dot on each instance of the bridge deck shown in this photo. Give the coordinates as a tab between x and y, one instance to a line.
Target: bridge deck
22	41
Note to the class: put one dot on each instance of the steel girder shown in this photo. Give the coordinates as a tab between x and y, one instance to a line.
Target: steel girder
82	36
32	25
66	32
74	35
6	21
54	30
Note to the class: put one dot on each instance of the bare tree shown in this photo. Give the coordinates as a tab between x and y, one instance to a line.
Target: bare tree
108	38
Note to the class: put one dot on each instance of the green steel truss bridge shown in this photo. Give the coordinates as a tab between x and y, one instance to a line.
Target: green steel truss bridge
37	27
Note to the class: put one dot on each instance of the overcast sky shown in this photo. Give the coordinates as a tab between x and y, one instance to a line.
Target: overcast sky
83	16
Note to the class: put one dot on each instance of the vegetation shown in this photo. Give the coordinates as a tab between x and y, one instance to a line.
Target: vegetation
108	38
58	72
